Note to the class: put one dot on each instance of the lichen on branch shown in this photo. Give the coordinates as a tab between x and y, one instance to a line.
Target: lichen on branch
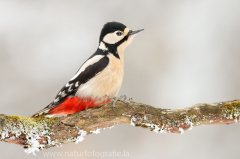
42	132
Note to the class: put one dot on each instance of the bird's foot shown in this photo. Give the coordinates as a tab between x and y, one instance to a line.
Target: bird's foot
122	98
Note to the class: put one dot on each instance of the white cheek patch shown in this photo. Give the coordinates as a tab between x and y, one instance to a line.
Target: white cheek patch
112	38
102	46
91	61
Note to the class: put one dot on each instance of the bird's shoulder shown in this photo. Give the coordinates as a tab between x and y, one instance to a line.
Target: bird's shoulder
90	68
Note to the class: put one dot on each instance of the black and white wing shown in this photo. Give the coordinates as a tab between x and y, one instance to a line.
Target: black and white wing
88	70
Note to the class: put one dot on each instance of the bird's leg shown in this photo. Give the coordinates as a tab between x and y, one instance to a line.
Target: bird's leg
122	98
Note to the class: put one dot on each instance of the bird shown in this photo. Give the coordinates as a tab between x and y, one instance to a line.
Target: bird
100	77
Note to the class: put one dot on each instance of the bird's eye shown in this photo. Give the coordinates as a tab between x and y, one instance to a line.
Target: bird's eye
119	33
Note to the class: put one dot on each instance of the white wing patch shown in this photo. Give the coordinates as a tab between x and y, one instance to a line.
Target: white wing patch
56	100
90	61
72	85
70	88
77	74
63	94
67	85
108	82
77	84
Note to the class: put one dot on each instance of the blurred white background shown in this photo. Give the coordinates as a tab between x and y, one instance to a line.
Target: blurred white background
189	53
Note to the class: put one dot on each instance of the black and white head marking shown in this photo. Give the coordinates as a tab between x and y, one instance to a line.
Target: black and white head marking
115	35
111	28
112	35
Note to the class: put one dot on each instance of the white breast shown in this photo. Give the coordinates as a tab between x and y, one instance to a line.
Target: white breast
107	83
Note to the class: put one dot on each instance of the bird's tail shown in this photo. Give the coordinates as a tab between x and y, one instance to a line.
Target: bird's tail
43	111
70	106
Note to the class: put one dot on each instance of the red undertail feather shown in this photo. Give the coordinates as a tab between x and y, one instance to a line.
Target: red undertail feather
75	104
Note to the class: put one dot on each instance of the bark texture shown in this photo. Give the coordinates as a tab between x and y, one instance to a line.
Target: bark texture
43	132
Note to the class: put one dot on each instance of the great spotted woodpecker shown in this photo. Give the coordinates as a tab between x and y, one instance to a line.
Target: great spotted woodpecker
99	78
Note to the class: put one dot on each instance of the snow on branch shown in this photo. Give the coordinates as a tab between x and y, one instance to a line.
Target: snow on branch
42	132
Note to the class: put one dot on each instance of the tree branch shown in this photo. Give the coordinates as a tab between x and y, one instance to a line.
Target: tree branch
43	132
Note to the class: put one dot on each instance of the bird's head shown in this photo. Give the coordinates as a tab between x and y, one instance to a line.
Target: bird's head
116	36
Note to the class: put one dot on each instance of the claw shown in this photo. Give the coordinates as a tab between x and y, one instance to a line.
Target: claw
122	98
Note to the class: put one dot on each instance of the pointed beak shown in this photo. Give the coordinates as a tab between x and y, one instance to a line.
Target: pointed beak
131	32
